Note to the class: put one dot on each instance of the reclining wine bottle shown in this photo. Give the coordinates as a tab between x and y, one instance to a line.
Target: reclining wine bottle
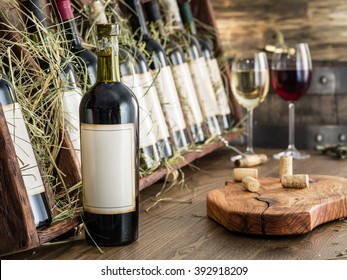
36	25
25	154
181	73
224	113
88	58
197	65
162	74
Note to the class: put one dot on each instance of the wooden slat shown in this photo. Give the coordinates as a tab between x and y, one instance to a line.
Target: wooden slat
188	158
18	231
58	229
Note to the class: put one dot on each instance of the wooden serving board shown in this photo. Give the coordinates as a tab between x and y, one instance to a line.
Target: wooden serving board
275	210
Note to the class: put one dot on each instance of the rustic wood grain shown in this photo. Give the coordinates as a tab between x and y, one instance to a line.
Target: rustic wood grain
173	230
322	24
274	210
18	231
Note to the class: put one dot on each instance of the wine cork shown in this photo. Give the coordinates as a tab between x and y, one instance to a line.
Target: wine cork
251	160
240	173
298	181
251	184
286	166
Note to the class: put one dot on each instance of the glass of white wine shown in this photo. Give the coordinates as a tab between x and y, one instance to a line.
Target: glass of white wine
250	83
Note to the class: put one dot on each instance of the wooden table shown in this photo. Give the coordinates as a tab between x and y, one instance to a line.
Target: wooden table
177	227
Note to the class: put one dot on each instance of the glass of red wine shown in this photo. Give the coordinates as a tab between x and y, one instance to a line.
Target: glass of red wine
291	72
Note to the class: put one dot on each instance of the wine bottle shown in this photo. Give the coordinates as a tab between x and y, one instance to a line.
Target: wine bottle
34	17
224	113
181	73
88	60
197	65
153	146
148	140
109	116
25	154
162	74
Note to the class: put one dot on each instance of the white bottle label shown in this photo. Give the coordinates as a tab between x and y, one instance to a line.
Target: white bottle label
168	96
217	83
203	86
156	113
187	93
71	103
147	132
108	168
24	150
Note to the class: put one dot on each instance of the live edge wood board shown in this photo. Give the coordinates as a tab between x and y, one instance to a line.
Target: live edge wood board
275	210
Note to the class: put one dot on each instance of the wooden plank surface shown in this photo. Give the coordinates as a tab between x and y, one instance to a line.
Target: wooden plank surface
178	227
274	210
17	227
244	24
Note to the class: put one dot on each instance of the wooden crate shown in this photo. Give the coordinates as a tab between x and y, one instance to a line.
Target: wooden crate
18	232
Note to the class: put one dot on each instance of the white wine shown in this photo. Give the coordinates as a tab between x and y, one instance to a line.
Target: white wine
250	87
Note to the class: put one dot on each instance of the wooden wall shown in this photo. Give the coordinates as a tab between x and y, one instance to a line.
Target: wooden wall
246	24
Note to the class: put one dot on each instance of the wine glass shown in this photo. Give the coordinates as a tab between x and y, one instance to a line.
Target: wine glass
250	85
291	71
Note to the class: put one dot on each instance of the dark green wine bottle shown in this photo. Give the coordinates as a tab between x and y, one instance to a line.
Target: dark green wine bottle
109	116
224	116
181	73
197	65
162	74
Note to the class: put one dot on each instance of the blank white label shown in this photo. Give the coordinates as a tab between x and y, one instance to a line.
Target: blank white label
24	150
108	168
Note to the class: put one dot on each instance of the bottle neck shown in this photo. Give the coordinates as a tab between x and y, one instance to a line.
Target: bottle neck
172	15
34	17
187	17
154	17
137	19
108	59
70	27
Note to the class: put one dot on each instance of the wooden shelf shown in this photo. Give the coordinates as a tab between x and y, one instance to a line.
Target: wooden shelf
161	172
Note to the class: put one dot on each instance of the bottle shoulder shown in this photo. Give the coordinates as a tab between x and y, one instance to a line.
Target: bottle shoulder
157	52
108	94
6	96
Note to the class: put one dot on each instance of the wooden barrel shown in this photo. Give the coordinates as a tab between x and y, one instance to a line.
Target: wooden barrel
320	115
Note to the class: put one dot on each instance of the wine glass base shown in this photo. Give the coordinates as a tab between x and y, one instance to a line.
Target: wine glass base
292	152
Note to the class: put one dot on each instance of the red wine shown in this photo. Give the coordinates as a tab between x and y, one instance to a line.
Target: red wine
74	44
109	116
291	84
26	157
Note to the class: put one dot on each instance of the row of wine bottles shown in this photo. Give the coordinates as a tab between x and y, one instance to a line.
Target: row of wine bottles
176	78
177	82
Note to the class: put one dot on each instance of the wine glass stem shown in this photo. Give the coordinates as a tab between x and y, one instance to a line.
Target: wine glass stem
249	149
291	107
